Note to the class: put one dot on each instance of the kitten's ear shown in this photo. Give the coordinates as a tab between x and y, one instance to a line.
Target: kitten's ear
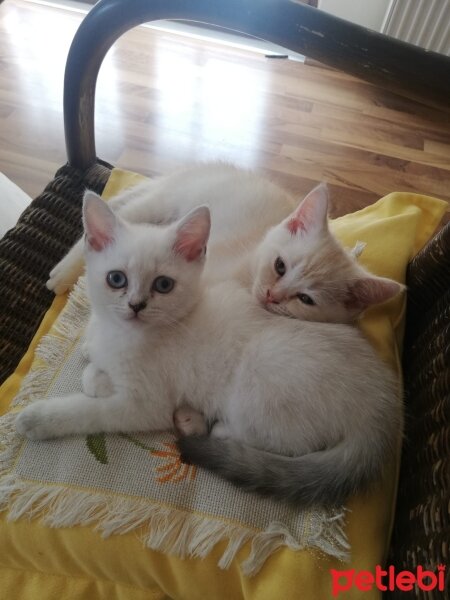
311	213
192	234
99	222
367	291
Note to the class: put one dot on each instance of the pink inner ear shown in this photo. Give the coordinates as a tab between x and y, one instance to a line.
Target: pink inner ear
311	212
192	234
295	225
371	290
99	223
98	240
99	229
189	246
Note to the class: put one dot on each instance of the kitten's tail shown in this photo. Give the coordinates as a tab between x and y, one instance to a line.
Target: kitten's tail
324	477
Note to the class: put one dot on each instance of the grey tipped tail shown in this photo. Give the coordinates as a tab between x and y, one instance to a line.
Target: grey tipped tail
326	477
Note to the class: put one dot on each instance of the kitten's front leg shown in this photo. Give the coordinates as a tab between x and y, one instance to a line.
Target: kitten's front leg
96	383
65	274
89	336
79	414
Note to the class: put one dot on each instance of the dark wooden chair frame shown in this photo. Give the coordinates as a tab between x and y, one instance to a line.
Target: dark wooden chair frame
359	51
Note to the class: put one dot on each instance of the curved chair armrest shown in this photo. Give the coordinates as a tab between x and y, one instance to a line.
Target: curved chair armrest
359	51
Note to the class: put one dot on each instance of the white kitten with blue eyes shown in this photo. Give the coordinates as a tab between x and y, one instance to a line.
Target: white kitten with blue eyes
132	270
315	395
251	237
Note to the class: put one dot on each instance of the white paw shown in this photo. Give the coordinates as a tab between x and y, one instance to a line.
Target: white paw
35	423
96	383
57	281
64	275
188	421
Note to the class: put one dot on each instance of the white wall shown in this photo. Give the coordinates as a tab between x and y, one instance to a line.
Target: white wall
370	13
13	201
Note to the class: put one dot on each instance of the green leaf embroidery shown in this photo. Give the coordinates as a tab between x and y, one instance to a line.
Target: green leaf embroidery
127	436
97	446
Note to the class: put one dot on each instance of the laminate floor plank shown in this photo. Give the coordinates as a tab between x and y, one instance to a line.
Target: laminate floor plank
164	101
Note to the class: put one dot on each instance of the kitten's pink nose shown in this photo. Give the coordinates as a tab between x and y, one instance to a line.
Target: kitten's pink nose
270	298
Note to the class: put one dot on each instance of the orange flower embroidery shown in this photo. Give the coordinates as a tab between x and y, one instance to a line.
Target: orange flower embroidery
174	470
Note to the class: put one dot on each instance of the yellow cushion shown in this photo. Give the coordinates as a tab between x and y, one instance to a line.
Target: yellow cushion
40	562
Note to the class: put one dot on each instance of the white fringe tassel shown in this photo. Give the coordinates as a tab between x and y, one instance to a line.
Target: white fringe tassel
54	347
168	530
165	529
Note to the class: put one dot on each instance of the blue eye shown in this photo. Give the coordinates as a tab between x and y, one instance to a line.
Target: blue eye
163	284
116	279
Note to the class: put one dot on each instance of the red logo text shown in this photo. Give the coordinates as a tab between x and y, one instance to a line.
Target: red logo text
388	579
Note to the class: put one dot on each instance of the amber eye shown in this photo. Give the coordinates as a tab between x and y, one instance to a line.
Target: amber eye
163	284
116	279
280	267
306	299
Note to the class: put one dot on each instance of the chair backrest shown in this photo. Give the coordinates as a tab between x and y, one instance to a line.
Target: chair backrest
367	54
422	524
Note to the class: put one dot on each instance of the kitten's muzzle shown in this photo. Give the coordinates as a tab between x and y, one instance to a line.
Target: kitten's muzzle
137	307
270	299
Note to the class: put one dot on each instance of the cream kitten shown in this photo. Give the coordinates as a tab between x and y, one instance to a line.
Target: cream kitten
252	239
314	395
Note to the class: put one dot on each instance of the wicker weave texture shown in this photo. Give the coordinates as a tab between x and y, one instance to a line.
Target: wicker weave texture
422	523
44	233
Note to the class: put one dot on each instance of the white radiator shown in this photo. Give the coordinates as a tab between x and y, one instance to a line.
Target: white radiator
425	23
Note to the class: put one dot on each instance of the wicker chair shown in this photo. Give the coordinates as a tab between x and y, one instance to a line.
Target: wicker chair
52	223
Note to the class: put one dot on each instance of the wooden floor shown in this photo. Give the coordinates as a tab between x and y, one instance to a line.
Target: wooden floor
164	101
